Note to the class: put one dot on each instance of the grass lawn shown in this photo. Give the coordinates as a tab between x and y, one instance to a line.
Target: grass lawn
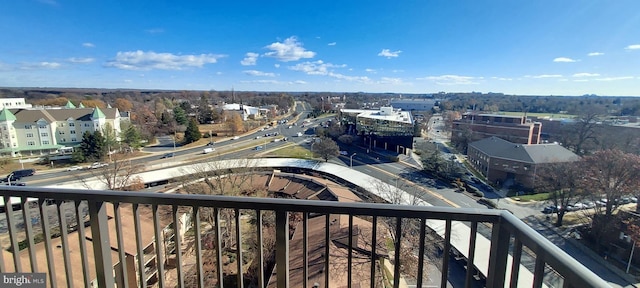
293	151
533	197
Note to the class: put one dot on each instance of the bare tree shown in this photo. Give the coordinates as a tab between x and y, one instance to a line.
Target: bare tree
326	148
399	193
561	180
120	174
610	175
583	132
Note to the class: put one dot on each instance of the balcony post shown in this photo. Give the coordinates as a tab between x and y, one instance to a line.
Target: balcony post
498	255
101	245
282	248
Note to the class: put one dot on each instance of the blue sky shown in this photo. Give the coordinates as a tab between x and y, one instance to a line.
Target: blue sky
542	47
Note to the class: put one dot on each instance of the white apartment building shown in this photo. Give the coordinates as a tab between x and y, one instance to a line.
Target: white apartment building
13	103
42	131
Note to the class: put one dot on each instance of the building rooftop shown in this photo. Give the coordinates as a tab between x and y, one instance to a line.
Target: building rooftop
529	153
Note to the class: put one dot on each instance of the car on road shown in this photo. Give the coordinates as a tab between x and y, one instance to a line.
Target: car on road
168	155
257	148
258	137
344	153
74	168
97	165
235	138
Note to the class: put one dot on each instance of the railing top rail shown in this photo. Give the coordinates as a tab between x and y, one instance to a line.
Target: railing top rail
275	204
573	271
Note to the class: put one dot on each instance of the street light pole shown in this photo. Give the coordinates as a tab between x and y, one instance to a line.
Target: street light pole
631	256
351	160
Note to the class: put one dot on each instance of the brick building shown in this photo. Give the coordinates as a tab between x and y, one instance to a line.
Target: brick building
473	127
501	161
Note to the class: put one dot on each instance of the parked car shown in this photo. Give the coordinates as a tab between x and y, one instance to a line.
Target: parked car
589	205
74	168
551	209
15	183
208	150
601	202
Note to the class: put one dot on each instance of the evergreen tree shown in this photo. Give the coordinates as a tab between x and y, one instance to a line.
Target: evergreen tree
93	146
192	134
180	115
131	136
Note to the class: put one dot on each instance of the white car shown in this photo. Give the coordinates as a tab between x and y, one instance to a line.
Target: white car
235	138
97	165
343	153
74	168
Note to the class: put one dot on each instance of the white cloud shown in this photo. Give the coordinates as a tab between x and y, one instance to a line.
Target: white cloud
389	54
41	65
326	69
369	70
615	78
332	44
633	47
564	60
140	60
300	82
259	73
81	60
452	79
250	59
128	81
595	54
502	78
276	65
88	45
315	68
586	75
392	81
289	50
545	76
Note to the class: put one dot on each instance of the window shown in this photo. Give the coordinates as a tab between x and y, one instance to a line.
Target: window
74	140
29	135
45	142
61	132
86	125
31	143
44	134
72	132
71	124
28	127
43	126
